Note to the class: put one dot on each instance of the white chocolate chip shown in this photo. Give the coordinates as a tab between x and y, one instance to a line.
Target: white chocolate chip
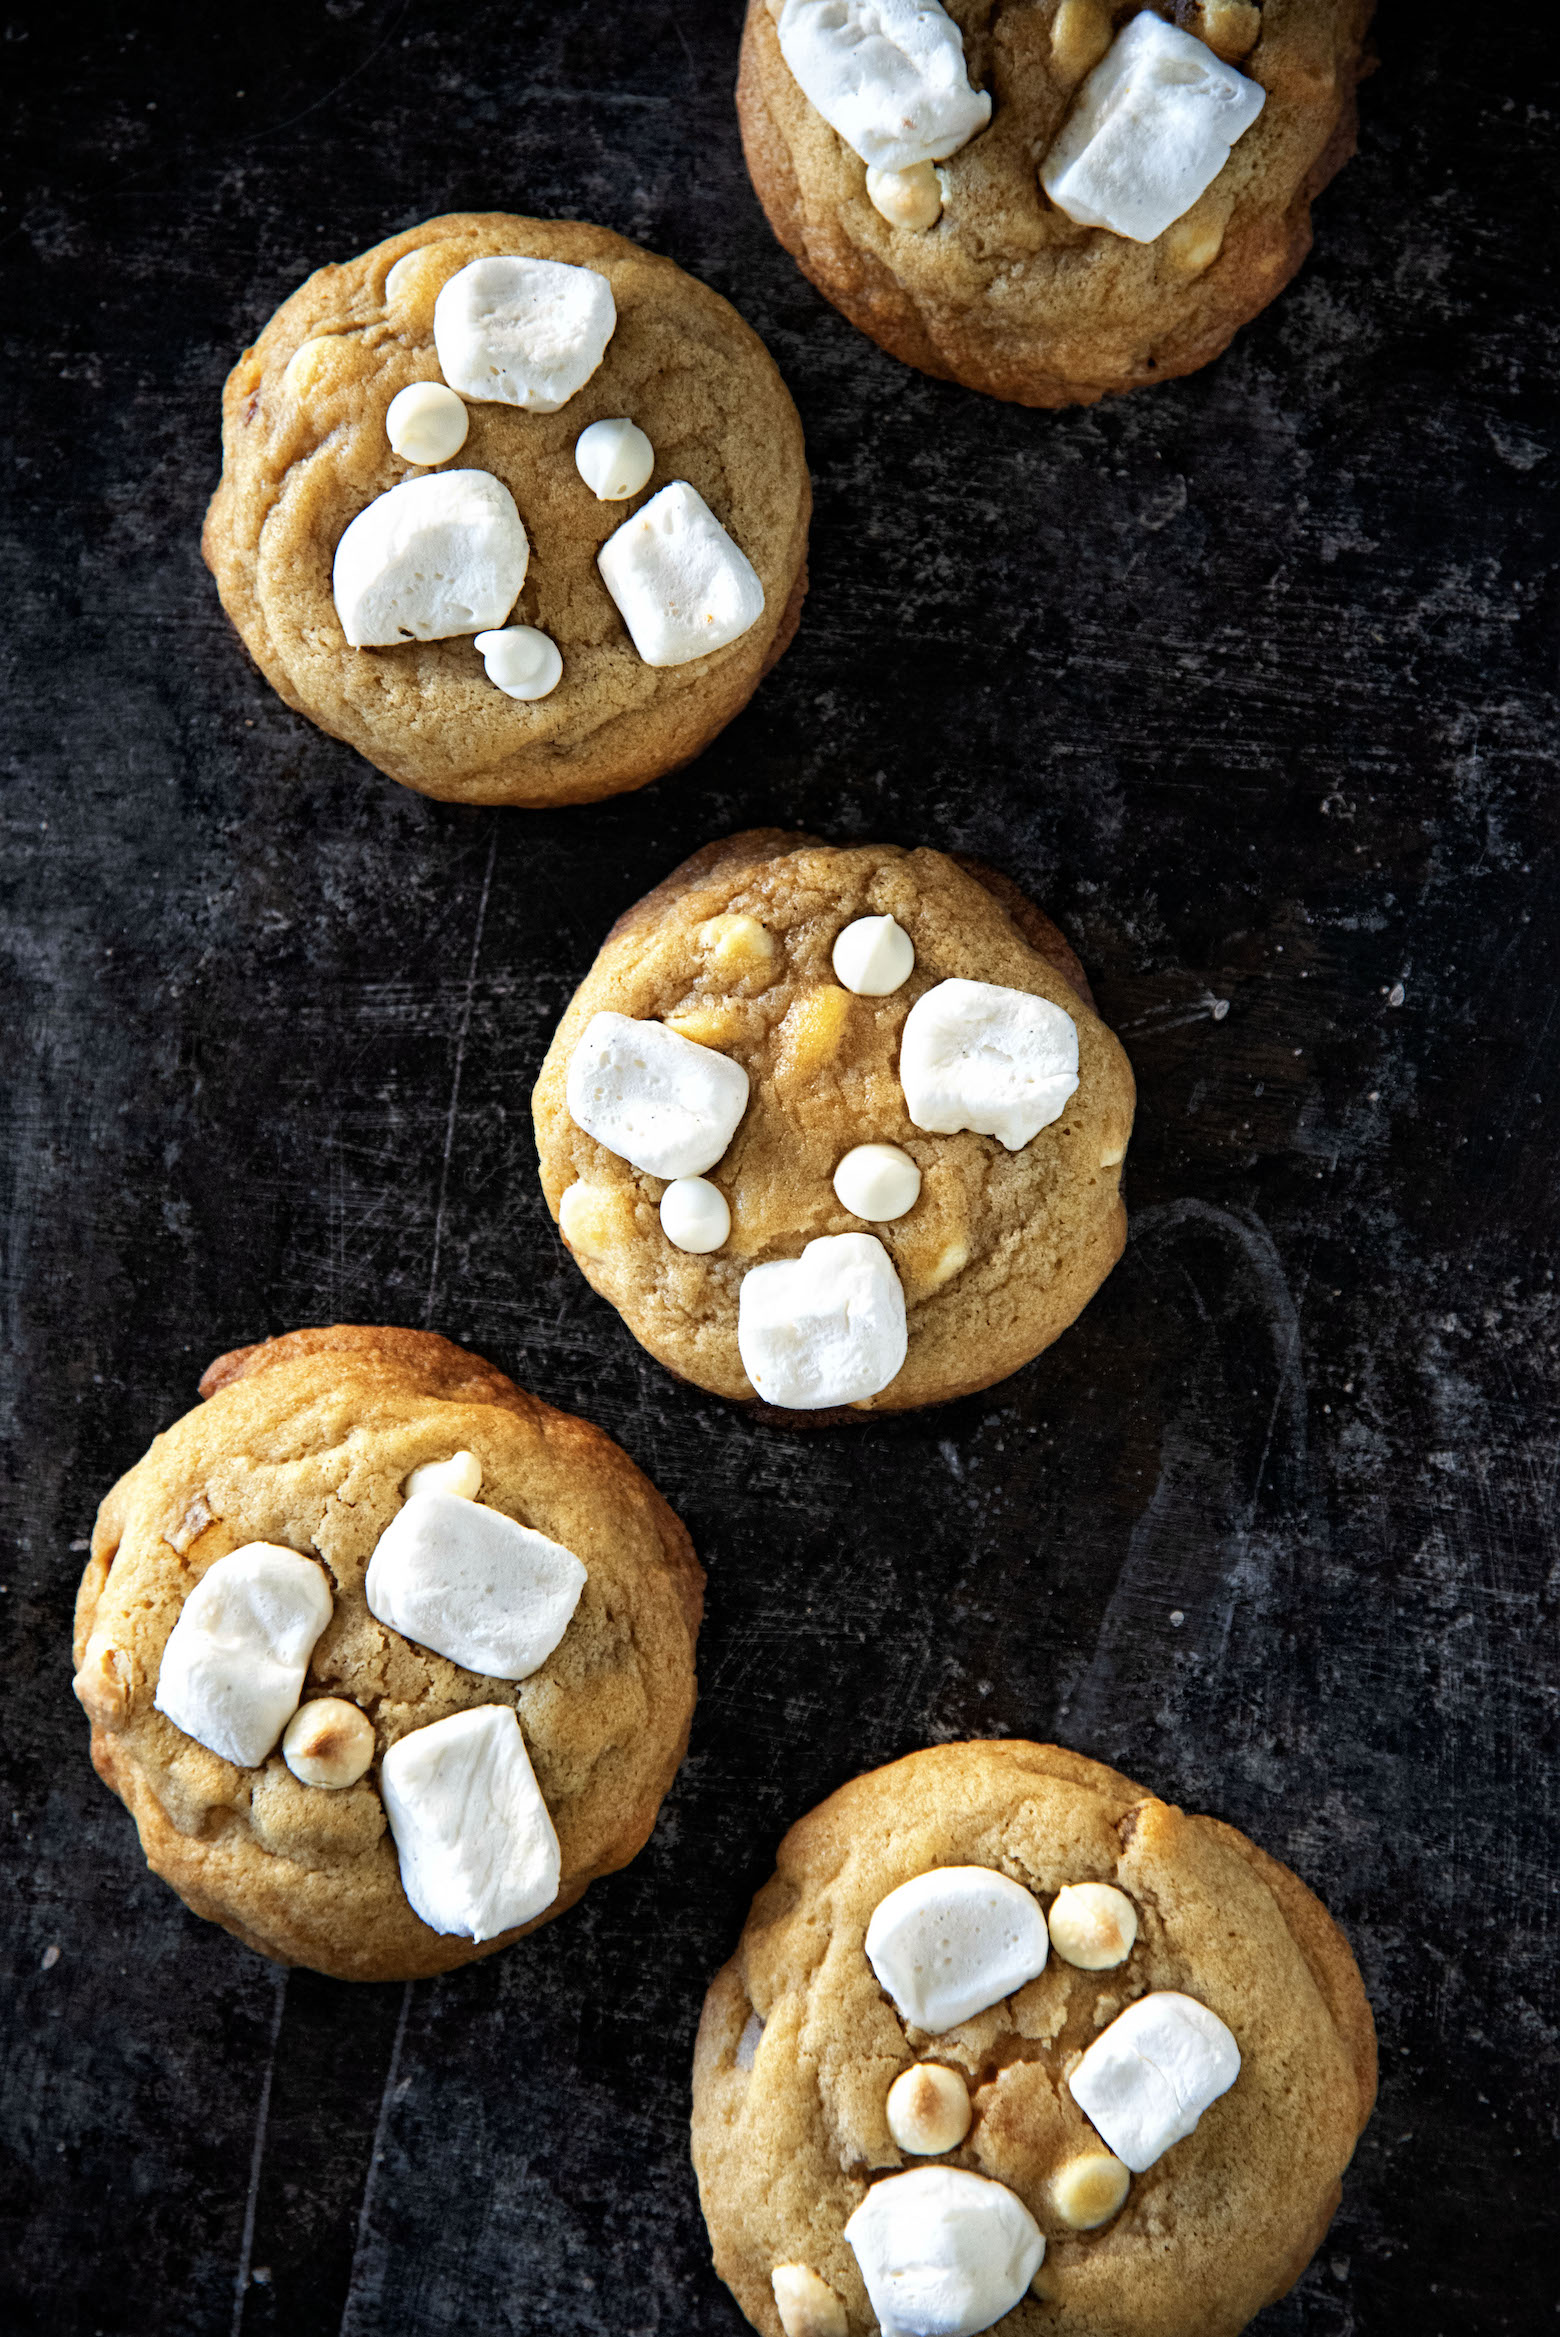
950	1942
1093	1926
1152	128
877	1182
521	662
825	1328
928	2109
943	2253
682	587
234	1663
461	1474
1088	2191
695	1215
436	556
473	1585
907	198
426	423
523	332
590	1219
807	2305
328	1743
749	2041
872	956
665	1104
614	458
887	75
977	1055
1147	2079
477	1848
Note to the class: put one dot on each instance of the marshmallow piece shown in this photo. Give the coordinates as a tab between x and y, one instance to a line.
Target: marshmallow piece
943	2253
1092	1926
473	1585
695	1215
681	585
825	1328
461	1474
877	1182
521	662
928	2109
948	1943
436	556
888	75
235	1659
477	1848
999	1062
1090	2190
426	423
663	1103
906	198
1147	2079
807	2305
873	956
523	332
1151	130
328	1742
614	458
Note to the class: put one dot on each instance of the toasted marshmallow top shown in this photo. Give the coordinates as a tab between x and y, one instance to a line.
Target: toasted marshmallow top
477	1849
1147	2079
473	1585
439	555
888	75
980	1056
523	332
659	1101
948	1943
825	1328
233	1667
943	2253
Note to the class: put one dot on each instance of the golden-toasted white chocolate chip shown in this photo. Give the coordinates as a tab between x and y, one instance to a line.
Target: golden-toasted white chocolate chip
1194	243
588	1219
102	1686
328	1742
426	423
737	944
412	286
1112	1155
807	2305
1093	1926
707	1026
812	1030
878	1182
1090	2190
1080	35
310	369
928	2109
1231	28
906	198
460	1474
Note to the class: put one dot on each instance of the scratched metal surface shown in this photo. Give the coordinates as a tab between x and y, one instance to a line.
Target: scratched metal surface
1252	681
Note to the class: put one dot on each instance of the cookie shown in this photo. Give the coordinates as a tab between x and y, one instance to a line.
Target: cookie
1050	202
1006	2040
836	1129
548	583
387	1659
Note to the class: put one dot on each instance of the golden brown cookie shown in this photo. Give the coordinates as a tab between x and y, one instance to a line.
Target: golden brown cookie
306	1442
305	451
1003	291
801	2047
734	951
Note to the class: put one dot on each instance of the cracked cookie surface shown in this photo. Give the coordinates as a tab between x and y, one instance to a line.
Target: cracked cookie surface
306	1441
790	2118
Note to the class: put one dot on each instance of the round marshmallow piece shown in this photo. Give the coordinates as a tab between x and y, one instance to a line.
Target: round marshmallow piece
928	2109
523	332
461	1475
980	1056
1147	2079
328	1743
434	557
233	1667
1093	1926
872	956
659	1101
695	1215
614	458
943	2253
877	1182
825	1328
521	662
948	1943
426	423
